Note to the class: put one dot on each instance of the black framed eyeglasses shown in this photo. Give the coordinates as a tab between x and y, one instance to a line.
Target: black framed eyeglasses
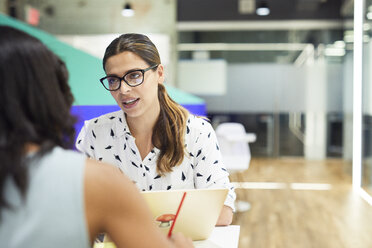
132	78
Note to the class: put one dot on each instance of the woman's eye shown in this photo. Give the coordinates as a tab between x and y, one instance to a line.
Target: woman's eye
112	80
134	75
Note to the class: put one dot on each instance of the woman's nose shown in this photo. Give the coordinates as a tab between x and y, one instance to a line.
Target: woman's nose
124	87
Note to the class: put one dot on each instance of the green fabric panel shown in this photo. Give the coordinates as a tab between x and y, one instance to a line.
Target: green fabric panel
85	70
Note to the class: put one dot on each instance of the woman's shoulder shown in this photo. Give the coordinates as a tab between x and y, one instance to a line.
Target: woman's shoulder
199	123
58	161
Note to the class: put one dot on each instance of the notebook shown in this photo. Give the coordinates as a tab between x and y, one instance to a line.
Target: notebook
197	216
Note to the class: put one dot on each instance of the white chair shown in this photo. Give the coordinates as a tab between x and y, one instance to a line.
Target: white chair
234	145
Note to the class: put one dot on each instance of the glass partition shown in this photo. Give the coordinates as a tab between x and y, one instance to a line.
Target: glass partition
367	101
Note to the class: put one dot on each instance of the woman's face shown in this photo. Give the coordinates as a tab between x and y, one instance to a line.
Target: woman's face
141	100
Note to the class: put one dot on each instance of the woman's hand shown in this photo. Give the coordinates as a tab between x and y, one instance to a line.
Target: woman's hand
225	217
181	241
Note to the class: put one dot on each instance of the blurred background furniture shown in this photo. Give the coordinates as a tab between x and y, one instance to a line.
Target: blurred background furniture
234	145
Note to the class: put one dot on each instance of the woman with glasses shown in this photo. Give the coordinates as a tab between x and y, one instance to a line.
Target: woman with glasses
152	139
50	196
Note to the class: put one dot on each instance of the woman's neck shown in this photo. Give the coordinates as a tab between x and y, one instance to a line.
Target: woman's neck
143	125
141	129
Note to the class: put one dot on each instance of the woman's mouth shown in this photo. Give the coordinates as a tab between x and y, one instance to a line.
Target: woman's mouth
130	103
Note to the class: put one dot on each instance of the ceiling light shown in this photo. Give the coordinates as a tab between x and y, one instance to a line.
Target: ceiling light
127	10
262	9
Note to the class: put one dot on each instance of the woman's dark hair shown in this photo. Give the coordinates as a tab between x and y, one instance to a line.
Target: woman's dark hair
35	102
169	130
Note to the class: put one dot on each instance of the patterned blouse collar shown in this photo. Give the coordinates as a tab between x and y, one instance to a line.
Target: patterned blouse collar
122	129
121	126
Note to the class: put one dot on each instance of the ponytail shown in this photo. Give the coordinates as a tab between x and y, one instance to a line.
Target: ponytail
169	132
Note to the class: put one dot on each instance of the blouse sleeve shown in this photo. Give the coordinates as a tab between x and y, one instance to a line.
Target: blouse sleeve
209	170
84	142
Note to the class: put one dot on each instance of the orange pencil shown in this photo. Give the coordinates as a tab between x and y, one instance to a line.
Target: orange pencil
175	218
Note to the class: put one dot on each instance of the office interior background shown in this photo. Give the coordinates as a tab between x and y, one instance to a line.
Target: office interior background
287	76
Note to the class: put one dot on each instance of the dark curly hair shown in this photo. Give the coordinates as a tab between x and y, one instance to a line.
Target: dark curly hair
35	102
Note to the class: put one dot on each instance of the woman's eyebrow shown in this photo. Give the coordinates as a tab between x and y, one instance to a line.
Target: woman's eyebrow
131	70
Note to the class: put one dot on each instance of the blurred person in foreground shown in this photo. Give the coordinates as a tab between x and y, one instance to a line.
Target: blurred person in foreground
51	196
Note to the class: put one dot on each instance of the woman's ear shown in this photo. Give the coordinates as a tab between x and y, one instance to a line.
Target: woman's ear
160	72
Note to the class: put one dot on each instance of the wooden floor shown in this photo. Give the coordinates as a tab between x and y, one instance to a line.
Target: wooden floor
287	217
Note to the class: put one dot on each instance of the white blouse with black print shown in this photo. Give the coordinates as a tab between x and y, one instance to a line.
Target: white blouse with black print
108	138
